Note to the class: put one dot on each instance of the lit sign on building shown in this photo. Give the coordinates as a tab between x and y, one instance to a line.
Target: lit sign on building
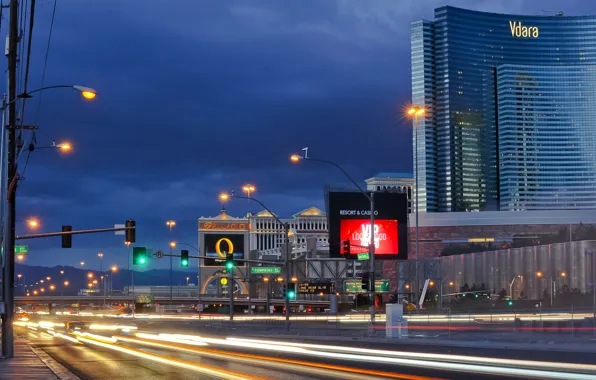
519	30
357	231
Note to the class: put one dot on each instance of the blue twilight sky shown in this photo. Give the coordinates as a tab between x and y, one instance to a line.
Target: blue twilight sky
199	96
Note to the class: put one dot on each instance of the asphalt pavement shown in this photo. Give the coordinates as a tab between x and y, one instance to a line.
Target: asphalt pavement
149	355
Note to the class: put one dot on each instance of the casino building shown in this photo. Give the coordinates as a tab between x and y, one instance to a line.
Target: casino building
511	111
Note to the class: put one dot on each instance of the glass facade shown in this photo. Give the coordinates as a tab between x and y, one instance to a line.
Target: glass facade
511	121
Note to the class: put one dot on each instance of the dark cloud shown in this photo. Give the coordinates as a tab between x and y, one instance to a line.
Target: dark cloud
199	96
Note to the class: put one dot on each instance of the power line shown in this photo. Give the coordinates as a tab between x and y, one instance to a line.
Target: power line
43	78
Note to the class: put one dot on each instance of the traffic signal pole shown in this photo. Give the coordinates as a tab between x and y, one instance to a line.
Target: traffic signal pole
231	291
287	265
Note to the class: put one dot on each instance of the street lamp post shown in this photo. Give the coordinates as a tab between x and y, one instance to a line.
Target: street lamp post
286	226
172	245
416	112
171	224
371	198
249	189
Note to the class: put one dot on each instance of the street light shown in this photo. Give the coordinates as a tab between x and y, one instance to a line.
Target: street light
173	244
100	255
295	158
48	278
82	263
33	223
114	268
52	287
416	112
61	272
90	275
224	197
171	224
249	189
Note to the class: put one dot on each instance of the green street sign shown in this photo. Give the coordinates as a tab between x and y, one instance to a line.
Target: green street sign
265	270
363	256
355	286
21	249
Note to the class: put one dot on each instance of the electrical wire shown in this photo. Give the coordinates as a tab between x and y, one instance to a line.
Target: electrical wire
43	78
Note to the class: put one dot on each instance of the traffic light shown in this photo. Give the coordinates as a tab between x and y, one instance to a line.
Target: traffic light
510	303
131	233
230	261
67	238
284	290
346	247
366	281
139	256
184	258
291	291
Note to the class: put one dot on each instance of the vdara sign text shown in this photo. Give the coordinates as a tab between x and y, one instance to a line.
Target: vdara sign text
519	30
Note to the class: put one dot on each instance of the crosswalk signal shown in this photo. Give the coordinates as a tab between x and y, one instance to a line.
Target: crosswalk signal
139	256
365	281
184	258
346	247
66	238
291	291
230	261
131	232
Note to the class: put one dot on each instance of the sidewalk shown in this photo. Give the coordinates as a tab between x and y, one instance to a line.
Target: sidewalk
32	363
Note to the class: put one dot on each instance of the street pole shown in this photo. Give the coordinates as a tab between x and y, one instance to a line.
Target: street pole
248	266
231	292
417	204
372	284
287	264
9	235
171	279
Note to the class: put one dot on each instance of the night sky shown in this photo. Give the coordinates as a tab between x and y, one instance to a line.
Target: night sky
199	96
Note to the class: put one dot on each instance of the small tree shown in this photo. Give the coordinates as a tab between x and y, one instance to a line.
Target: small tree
502	294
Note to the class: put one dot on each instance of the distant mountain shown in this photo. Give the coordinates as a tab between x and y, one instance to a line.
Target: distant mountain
78	278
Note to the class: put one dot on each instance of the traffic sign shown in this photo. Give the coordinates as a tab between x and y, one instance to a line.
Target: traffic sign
355	286
265	270
123	232
363	256
21	249
316	288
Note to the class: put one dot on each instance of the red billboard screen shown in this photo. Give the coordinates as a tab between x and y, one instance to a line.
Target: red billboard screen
357	231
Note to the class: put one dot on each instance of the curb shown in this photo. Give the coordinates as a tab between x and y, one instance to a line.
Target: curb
58	369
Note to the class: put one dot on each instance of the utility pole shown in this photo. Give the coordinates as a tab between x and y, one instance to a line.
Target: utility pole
9	233
373	282
287	265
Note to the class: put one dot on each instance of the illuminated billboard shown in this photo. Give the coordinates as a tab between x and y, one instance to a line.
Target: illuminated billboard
216	246
357	231
349	219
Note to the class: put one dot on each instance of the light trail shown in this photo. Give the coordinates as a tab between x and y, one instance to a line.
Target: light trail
272	360
426	356
213	371
449	362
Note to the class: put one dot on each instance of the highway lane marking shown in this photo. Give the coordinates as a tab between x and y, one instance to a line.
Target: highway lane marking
221	353
170	361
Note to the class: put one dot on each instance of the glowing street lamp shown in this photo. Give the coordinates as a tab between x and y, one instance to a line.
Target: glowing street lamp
66	283
33	223
90	275
171	224
114	268
172	244
52	287
48	278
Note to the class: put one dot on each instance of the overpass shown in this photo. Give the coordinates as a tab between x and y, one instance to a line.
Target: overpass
87	300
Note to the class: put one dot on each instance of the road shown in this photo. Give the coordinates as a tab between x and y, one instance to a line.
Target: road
121	352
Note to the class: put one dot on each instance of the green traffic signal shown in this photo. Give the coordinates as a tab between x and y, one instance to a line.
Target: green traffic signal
291	294
139	255
230	261
184	258
229	265
510	303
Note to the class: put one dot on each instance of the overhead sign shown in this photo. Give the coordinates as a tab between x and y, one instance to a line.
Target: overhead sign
315	288
349	219
123	232
355	286
265	270
363	256
21	249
